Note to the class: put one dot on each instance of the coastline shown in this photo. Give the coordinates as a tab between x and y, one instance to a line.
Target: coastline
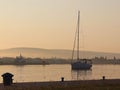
108	84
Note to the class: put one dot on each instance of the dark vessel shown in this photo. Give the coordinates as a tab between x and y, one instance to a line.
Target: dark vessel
79	64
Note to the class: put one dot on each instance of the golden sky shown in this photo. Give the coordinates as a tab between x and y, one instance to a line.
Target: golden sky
51	24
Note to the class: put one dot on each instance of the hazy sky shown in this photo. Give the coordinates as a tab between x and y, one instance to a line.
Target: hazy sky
51	24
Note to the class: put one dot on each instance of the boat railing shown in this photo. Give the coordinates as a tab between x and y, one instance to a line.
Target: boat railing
86	61
89	61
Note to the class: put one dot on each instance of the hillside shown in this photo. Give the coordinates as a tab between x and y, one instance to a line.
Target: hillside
48	53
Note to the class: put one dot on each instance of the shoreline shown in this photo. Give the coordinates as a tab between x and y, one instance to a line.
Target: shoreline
59	64
65	85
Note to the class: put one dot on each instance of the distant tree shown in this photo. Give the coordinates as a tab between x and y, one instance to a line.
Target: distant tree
105	57
96	58
114	58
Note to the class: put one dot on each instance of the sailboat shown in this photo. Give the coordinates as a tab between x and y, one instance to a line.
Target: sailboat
79	64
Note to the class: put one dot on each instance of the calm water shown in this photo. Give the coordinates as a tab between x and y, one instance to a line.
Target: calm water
34	73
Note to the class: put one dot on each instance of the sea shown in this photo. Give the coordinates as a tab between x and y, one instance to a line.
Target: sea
54	72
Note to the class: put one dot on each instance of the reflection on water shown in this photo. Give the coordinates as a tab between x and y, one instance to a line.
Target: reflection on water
20	74
81	74
39	73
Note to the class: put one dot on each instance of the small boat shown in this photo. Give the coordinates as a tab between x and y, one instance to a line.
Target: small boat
79	64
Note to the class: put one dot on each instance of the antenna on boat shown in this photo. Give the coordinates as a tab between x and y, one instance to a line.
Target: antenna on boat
78	35
76	38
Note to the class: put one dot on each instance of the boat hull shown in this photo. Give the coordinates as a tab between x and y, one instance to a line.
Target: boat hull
81	66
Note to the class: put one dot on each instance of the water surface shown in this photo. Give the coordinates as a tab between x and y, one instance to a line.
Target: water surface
35	73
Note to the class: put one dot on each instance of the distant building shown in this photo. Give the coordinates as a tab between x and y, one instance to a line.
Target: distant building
20	60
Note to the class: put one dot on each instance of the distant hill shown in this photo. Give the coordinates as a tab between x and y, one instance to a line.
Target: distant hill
48	53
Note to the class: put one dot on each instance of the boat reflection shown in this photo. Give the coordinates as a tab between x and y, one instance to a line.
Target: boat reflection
81	74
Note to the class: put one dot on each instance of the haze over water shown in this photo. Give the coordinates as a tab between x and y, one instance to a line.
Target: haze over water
51	24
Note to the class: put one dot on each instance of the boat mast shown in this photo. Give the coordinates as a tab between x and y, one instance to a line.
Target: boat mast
78	36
